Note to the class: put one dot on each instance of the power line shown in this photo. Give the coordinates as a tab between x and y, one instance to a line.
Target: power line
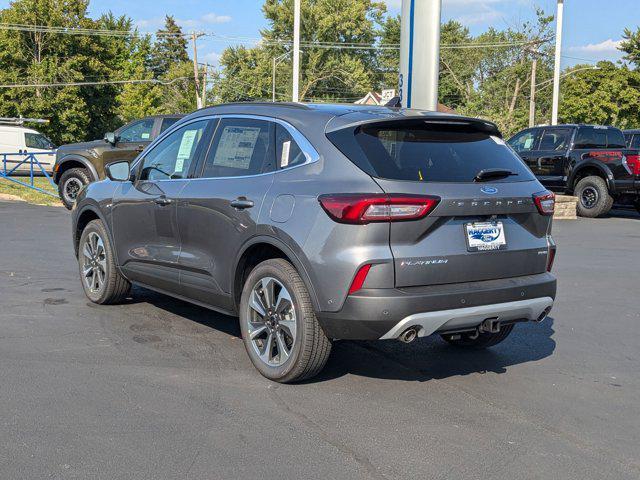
83	84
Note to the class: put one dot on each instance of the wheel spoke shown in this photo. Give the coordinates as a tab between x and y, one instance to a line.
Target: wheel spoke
268	291
289	327
267	351
86	270
283	302
256	303
86	250
283	352
253	334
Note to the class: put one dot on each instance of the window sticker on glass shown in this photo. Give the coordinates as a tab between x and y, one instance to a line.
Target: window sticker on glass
528	142
186	145
236	146
284	158
145	135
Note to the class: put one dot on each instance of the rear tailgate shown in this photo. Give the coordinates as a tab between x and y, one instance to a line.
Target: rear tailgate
436	250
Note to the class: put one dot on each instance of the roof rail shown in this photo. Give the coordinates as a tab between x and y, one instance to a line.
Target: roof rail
21	120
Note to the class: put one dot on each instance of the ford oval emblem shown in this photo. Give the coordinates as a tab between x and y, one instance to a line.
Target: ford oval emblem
489	190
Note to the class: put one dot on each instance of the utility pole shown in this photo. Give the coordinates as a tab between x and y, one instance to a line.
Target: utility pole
273	81
196	72
296	51
532	99
556	69
420	53
204	84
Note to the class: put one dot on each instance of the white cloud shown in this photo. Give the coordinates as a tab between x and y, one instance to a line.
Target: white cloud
188	24
609	46
212	58
215	18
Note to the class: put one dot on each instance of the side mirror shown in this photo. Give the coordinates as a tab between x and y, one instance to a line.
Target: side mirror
118	171
111	138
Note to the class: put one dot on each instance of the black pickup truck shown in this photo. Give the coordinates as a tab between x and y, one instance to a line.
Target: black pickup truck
589	161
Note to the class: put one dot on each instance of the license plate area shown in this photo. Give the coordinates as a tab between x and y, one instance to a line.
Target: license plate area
485	236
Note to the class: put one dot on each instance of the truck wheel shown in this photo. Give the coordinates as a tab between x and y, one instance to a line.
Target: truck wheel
482	340
593	197
70	184
279	327
101	280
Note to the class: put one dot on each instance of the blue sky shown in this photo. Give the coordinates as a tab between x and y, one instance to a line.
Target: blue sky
592	27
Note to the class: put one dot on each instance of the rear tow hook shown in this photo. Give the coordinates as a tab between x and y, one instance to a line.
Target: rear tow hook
490	325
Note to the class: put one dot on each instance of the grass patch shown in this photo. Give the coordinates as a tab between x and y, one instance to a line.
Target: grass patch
28	194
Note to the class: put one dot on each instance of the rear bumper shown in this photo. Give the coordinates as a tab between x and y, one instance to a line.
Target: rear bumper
377	313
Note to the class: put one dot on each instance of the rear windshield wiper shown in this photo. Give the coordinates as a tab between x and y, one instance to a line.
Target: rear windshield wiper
492	174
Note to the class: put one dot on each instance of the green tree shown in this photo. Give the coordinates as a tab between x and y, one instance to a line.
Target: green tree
631	46
170	48
326	73
608	95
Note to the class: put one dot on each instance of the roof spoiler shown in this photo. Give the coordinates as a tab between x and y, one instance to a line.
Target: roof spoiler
477	124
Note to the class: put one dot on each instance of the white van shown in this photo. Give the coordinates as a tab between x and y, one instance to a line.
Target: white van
19	140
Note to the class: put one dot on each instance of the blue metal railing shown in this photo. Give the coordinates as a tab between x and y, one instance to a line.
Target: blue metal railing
11	163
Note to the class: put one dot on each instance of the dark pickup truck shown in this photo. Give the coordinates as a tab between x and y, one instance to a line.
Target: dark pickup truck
588	161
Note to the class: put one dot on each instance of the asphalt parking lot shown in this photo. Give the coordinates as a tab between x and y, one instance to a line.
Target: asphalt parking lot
160	389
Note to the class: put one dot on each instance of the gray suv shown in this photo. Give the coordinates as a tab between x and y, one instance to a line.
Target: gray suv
321	222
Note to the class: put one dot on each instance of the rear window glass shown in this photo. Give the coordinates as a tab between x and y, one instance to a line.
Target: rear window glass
424	152
593	137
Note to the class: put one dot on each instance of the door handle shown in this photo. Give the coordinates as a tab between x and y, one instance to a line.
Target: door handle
241	203
162	200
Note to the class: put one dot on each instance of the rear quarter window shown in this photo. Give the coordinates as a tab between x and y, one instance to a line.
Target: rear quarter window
424	152
599	137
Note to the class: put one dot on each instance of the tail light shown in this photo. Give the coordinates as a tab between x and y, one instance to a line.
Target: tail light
632	164
546	202
367	208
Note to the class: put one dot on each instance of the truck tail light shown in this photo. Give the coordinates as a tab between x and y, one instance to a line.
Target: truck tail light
366	208
632	164
546	202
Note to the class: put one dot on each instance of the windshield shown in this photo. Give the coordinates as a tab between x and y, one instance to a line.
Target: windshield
424	152
38	140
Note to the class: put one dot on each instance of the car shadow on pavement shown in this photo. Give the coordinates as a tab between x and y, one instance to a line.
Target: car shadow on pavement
422	360
631	214
431	358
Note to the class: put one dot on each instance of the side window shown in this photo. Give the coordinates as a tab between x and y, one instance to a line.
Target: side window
172	157
556	139
635	143
288	152
525	141
589	137
167	122
137	132
37	140
242	146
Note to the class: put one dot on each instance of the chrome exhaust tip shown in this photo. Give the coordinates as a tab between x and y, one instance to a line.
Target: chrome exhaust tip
543	315
409	335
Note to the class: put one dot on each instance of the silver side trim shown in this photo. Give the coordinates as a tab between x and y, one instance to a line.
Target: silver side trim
431	322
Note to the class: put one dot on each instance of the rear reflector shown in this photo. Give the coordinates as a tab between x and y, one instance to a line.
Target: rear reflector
359	279
632	164
551	258
545	201
367	208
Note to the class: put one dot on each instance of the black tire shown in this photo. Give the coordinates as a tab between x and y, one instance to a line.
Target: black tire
115	287
593	197
70	183
311	348
483	340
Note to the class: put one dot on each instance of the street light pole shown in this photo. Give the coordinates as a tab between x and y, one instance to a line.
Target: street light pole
296	51
556	69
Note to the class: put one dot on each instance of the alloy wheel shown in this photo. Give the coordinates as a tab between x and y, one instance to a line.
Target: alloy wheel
71	189
94	263
271	321
589	197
